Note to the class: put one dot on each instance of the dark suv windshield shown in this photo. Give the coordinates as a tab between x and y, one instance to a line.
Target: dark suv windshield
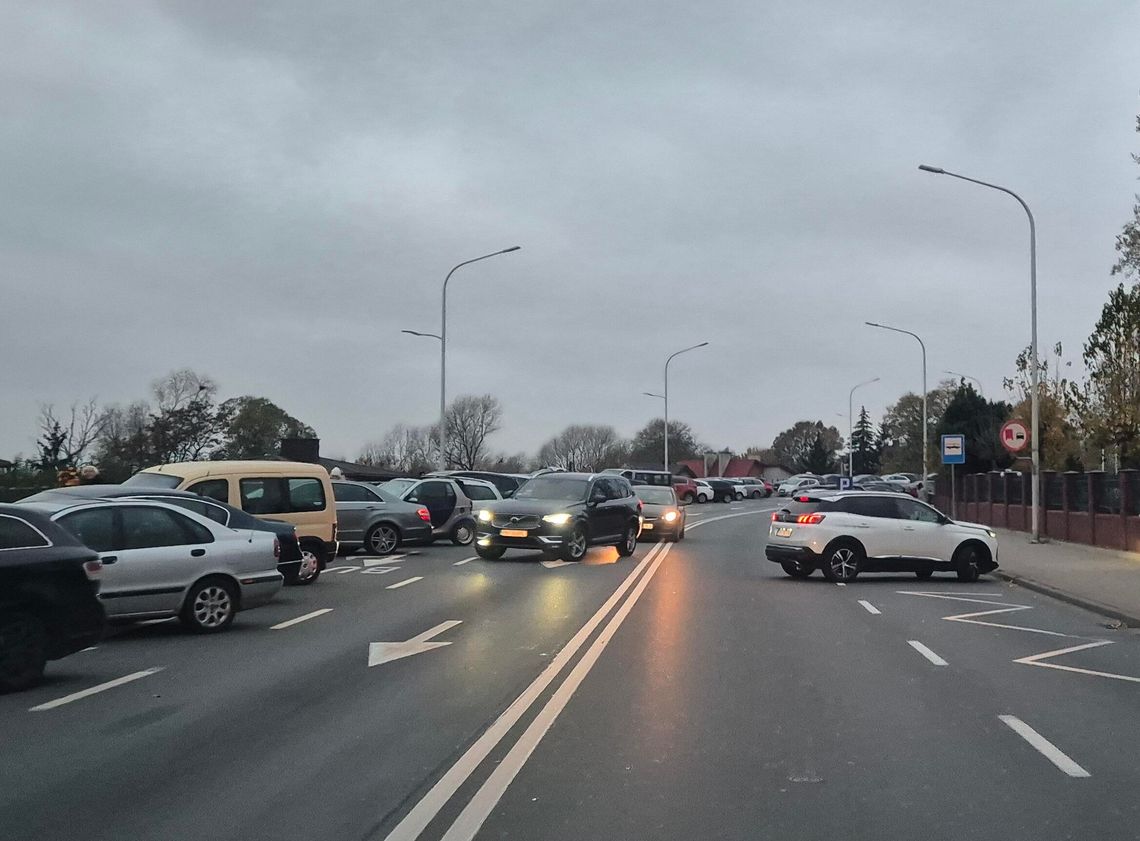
553	487
146	479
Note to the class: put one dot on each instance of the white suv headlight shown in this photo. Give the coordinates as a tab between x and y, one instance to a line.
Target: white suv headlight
484	515
557	519
991	533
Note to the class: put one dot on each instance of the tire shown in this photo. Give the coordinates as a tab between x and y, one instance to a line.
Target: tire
210	606
23	651
312	562
687	499
681	534
702	499
923	574
738	496
796	569
464	533
490	553
576	544
757	494
727	498
628	543
382	539
966	563
841	560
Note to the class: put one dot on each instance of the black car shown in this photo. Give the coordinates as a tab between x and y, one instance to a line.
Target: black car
562	514
289	564
507	483
49	606
723	491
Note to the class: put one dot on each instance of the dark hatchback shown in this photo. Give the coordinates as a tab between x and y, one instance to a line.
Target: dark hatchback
49	606
562	514
289	564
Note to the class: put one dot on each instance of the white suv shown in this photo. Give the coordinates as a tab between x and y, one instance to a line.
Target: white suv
848	532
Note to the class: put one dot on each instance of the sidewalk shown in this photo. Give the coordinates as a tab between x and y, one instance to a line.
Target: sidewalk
1102	580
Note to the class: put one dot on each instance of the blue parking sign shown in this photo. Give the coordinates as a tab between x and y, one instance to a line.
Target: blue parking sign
953	449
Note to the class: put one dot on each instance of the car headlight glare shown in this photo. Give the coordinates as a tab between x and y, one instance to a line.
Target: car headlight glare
669	516
484	515
991	533
557	519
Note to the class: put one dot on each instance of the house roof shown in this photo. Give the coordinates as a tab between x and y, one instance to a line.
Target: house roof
735	468
358	472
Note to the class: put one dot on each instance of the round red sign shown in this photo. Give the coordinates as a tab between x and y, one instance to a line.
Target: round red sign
1014	436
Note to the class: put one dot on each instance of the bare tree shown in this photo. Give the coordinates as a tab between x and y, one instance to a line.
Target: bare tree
406	449
180	388
70	436
470	419
581	447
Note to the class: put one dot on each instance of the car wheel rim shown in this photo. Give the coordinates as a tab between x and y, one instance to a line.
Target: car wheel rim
631	541
212	606
463	534
577	544
843	563
309	565
383	541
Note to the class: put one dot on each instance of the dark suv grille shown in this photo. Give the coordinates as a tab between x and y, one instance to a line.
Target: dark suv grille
515	521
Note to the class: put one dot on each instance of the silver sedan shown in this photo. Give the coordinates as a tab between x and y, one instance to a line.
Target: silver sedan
160	560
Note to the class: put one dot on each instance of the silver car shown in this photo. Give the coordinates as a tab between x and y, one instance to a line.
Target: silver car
377	520
451	509
160	560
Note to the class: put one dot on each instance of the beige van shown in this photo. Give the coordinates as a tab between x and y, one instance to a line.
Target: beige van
292	491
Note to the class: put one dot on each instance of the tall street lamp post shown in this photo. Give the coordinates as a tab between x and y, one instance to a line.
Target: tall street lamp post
974	380
443	354
851	426
665	396
925	430
1035	410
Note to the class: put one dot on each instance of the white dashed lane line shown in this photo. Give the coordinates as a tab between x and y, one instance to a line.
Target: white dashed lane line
405	582
1043	746
464	561
94	690
300	619
927	653
870	608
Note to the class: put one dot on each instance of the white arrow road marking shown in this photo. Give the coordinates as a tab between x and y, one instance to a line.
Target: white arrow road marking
381	559
405	582
556	564
1036	659
1046	748
386	652
378	570
94	690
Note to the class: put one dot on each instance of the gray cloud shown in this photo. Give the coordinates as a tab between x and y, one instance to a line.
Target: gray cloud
269	192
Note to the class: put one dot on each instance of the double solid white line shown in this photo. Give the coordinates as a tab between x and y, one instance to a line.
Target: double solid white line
469	821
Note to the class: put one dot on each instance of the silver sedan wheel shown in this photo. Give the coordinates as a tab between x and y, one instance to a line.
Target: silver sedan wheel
576	543
212	606
382	540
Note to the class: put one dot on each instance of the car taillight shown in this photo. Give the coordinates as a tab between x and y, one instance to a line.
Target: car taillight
809	519
276	548
775	516
802	499
93	568
424	515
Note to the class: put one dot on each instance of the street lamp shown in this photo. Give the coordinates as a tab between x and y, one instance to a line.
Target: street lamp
443	354
851	426
1035	410
425	335
665	396
651	394
967	377
925	431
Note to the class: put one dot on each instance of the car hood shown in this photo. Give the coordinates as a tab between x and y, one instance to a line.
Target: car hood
529	506
977	526
652	509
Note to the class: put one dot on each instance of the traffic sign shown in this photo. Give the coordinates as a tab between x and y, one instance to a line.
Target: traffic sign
953	449
1014	436
844	483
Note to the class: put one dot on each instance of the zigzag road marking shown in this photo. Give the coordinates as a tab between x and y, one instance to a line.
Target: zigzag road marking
1036	660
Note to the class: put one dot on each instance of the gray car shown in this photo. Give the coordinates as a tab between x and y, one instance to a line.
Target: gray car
376	520
452	511
160	560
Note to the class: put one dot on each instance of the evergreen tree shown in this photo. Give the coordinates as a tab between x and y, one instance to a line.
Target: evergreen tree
864	445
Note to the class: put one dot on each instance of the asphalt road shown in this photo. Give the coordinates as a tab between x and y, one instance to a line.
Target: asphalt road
691	691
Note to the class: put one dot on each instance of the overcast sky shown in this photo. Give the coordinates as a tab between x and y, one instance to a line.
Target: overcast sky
269	192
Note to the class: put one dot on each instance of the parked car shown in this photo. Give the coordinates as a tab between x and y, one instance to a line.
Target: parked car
48	602
376	520
795	483
753	488
662	515
292	564
477	490
865	477
848	532
292	491
160	560
686	489
452	511
725	491
661	478
563	514
886	487
507	483
705	493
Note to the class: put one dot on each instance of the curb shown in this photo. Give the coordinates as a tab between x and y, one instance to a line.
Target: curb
1130	620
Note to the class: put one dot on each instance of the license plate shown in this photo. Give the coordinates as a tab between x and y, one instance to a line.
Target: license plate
647	526
783	531
514	532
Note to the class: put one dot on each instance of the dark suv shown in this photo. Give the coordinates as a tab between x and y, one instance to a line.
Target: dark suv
562	514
